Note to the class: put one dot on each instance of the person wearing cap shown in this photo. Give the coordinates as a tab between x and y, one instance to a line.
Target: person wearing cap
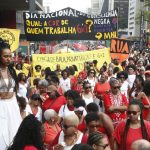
54	99
33	106
147	75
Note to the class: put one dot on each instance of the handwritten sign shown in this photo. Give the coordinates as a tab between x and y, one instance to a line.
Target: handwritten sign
69	23
68	59
120	49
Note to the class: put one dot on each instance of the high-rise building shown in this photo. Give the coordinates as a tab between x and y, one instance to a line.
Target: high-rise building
135	8
101	6
95	7
106	5
19	15
122	6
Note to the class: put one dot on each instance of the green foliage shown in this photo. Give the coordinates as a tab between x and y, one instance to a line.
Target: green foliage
146	13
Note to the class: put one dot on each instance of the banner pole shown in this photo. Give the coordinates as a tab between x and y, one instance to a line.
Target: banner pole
67	46
29	51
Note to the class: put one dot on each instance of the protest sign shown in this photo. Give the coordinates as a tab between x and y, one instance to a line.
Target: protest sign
68	59
11	36
120	49
70	24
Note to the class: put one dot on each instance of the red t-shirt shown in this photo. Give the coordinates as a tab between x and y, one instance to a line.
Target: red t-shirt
82	126
145	111
30	148
101	89
61	100
115	116
133	134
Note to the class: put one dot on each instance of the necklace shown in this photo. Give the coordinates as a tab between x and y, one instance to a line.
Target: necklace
3	69
9	85
67	141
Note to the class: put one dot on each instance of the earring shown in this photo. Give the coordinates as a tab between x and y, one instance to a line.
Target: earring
139	118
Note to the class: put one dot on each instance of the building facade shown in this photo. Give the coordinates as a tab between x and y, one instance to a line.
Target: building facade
135	8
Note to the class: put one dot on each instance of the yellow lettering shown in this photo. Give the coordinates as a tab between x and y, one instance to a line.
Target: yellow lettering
45	23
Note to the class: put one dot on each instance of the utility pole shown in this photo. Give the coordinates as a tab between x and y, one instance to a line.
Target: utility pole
141	30
141	25
32	8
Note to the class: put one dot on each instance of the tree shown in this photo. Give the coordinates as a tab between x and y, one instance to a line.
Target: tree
147	12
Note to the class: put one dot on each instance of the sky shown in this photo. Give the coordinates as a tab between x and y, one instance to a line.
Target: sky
80	5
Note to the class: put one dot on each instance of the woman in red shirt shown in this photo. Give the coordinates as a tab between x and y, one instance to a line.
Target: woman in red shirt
102	86
134	128
115	103
51	126
54	100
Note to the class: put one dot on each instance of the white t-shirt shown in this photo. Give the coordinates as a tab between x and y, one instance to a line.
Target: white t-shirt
62	142
124	88
64	111
87	100
22	91
131	79
39	113
92	82
65	84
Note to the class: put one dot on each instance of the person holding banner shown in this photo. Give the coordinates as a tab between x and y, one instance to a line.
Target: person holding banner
10	117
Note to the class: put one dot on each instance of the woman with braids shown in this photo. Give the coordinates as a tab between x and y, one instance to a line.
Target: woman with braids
134	128
98	141
10	117
29	136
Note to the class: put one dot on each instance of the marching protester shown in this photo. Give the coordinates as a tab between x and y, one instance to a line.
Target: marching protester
115	103
131	129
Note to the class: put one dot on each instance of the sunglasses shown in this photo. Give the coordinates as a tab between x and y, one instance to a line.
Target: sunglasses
88	87
94	126
132	112
66	126
116	87
104	146
122	77
91	72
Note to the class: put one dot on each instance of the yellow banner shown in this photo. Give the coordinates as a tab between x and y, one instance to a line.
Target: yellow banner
11	36
68	59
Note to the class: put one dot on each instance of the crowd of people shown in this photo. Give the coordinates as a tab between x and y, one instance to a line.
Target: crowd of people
97	108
